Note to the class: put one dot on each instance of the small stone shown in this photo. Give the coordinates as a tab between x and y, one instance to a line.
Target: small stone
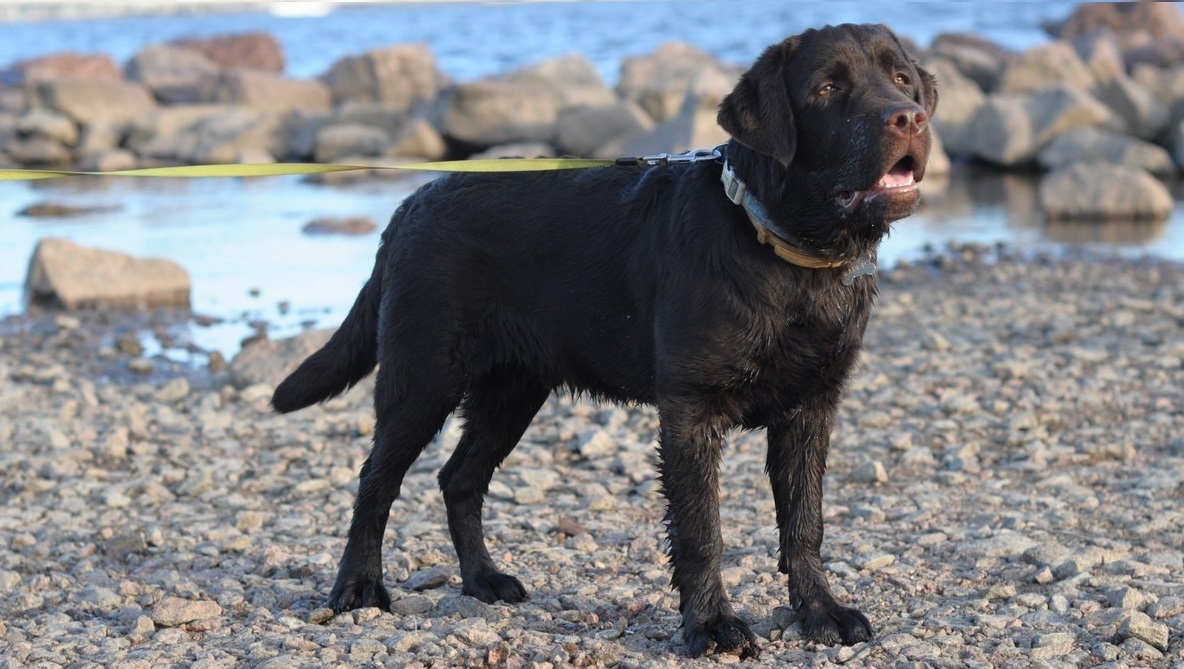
428	579
1126	598
869	472
173	391
1031	600
1049	646
1141	650
932	539
1166	607
141	366
320	616
595	443
173	611
1044	576
1001	591
1139	626
142	630
875	562
122	545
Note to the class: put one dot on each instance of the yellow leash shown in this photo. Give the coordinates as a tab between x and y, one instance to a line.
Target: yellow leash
284	169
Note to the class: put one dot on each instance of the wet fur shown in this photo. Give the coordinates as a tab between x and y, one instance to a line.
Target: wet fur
639	285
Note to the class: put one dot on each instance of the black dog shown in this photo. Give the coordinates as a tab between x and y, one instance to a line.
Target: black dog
646	284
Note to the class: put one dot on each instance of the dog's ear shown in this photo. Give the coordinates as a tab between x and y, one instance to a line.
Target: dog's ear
757	112
928	99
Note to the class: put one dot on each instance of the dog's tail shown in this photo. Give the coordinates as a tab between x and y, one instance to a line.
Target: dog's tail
349	355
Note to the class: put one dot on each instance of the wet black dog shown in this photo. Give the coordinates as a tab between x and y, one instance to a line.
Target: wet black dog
646	284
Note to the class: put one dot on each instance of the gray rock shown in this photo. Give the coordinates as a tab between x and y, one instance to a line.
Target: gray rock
572	81
1104	191
975	57
401	77
174	611
72	276
223	137
336	140
869	472
333	225
48	124
155	135
961	98
38	152
1009	129
660	82
1102	56
174	74
264	91
1145	116
583	131
490	112
268	362
1090	144
1137	625
417	139
1055	64
90	101
695	127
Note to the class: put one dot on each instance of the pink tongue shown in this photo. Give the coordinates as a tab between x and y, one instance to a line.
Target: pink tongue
897	177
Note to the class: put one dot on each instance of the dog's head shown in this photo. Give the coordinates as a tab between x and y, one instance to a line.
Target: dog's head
831	132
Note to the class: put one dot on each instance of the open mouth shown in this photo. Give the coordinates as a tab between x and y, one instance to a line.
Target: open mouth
900	179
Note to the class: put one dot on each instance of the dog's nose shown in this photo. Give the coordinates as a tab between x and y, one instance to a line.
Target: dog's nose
905	120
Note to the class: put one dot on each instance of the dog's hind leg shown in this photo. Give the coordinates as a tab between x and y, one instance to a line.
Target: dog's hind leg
407	420
796	463
497	410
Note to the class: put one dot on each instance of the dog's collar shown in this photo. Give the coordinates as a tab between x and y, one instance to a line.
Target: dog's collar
766	233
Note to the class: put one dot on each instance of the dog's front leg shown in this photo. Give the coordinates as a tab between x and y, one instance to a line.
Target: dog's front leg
689	467
796	463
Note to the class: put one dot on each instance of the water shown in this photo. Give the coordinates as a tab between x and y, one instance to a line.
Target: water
241	240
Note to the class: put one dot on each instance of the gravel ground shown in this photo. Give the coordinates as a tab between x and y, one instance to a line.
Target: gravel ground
1005	490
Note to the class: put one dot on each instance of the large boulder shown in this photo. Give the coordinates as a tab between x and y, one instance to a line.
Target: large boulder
92	67
417	139
252	51
265	91
70	276
175	74
226	136
961	99
1009	129
660	82
89	101
979	59
695	127
156	134
1144	115
400	77
488	112
1053	64
586	130
336	140
1104	192
572	80
1089	144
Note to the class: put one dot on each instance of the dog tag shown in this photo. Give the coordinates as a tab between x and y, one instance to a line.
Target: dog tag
862	266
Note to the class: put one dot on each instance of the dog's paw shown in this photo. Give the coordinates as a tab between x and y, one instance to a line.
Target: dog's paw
721	635
835	624
495	586
358	592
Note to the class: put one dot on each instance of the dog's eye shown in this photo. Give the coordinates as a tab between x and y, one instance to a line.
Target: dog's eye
902	79
827	89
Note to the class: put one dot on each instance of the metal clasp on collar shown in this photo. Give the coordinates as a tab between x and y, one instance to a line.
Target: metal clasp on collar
695	156
734	188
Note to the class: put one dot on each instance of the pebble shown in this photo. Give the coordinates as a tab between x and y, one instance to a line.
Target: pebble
173	611
1138	625
869	472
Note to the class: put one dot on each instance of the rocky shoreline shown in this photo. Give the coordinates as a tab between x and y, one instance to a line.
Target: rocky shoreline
1107	92
1004	491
